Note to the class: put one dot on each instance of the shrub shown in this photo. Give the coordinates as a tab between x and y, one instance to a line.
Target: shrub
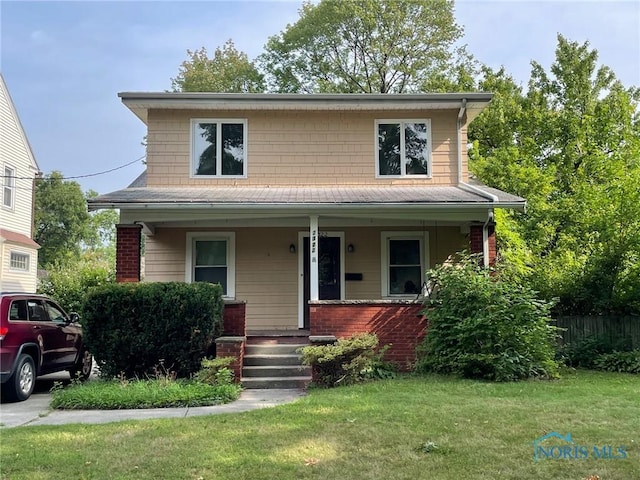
69	282
485	326
348	360
625	362
585	352
215	371
131	328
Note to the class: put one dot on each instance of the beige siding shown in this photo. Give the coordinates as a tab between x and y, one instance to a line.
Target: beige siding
291	148
267	276
443	241
267	273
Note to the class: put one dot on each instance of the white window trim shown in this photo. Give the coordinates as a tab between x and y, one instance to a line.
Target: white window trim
27	261
6	184
194	161
230	238
403	166
385	236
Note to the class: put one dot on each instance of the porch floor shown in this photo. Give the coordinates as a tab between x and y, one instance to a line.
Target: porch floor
297	332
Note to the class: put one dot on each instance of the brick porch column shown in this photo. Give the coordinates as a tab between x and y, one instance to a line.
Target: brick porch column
128	253
476	244
232	347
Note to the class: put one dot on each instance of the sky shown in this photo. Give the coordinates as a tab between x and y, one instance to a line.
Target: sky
65	62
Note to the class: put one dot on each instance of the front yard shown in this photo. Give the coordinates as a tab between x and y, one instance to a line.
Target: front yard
378	430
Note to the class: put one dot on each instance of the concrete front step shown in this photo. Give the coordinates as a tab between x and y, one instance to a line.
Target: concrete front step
275	382
276	371
274	362
273	349
269	359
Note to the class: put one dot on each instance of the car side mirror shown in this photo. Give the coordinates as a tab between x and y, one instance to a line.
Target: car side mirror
74	317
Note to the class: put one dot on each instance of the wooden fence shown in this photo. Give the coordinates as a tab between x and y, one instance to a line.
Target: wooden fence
614	328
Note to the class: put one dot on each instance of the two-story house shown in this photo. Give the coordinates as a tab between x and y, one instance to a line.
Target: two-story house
314	212
18	250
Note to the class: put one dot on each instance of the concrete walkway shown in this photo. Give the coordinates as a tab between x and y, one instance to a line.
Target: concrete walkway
36	411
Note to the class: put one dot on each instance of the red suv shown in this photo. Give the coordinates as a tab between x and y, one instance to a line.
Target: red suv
37	337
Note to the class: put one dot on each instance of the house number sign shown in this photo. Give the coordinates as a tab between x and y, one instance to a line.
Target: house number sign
314	243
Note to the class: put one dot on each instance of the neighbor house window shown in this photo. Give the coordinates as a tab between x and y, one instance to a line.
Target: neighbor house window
404	263
9	187
218	148
19	261
211	258
403	148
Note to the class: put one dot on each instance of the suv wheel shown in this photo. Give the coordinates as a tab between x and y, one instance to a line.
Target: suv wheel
82	369
21	384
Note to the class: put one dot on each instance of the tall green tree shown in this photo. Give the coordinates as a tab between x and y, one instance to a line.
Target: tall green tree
228	71
99	241
571	146
371	46
61	219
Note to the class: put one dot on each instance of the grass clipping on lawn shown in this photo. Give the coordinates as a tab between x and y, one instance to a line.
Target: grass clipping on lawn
117	394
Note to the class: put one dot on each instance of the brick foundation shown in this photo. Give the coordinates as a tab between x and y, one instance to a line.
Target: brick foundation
128	253
398	323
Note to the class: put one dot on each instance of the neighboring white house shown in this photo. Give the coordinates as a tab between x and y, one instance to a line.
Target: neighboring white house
18	168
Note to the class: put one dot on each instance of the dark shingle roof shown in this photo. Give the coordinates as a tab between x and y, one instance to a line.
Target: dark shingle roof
319	195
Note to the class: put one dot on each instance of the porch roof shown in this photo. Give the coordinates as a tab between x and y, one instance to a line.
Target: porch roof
291	197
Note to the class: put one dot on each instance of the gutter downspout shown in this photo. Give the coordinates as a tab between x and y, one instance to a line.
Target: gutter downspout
485	238
473	189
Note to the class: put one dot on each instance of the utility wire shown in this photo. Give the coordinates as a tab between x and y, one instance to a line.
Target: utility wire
79	176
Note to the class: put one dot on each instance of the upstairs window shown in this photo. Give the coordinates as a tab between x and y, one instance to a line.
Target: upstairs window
218	148
9	187
403	148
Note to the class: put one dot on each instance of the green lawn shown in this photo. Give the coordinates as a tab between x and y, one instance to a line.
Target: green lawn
372	431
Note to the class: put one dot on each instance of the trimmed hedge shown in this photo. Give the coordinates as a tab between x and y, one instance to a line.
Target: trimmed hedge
132	328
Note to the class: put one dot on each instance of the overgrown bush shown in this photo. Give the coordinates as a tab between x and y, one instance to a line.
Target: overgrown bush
348	360
69	282
482	325
134	327
625	362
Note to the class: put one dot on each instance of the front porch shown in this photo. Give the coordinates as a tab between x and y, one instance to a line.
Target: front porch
332	269
397	323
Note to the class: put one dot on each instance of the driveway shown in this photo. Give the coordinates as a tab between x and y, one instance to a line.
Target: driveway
35	410
13	414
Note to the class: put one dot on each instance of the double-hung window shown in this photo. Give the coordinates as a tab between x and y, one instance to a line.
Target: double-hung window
9	187
219	148
404	263
403	148
211	258
19	261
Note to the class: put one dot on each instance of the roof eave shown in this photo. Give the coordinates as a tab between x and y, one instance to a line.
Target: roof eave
141	102
303	206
